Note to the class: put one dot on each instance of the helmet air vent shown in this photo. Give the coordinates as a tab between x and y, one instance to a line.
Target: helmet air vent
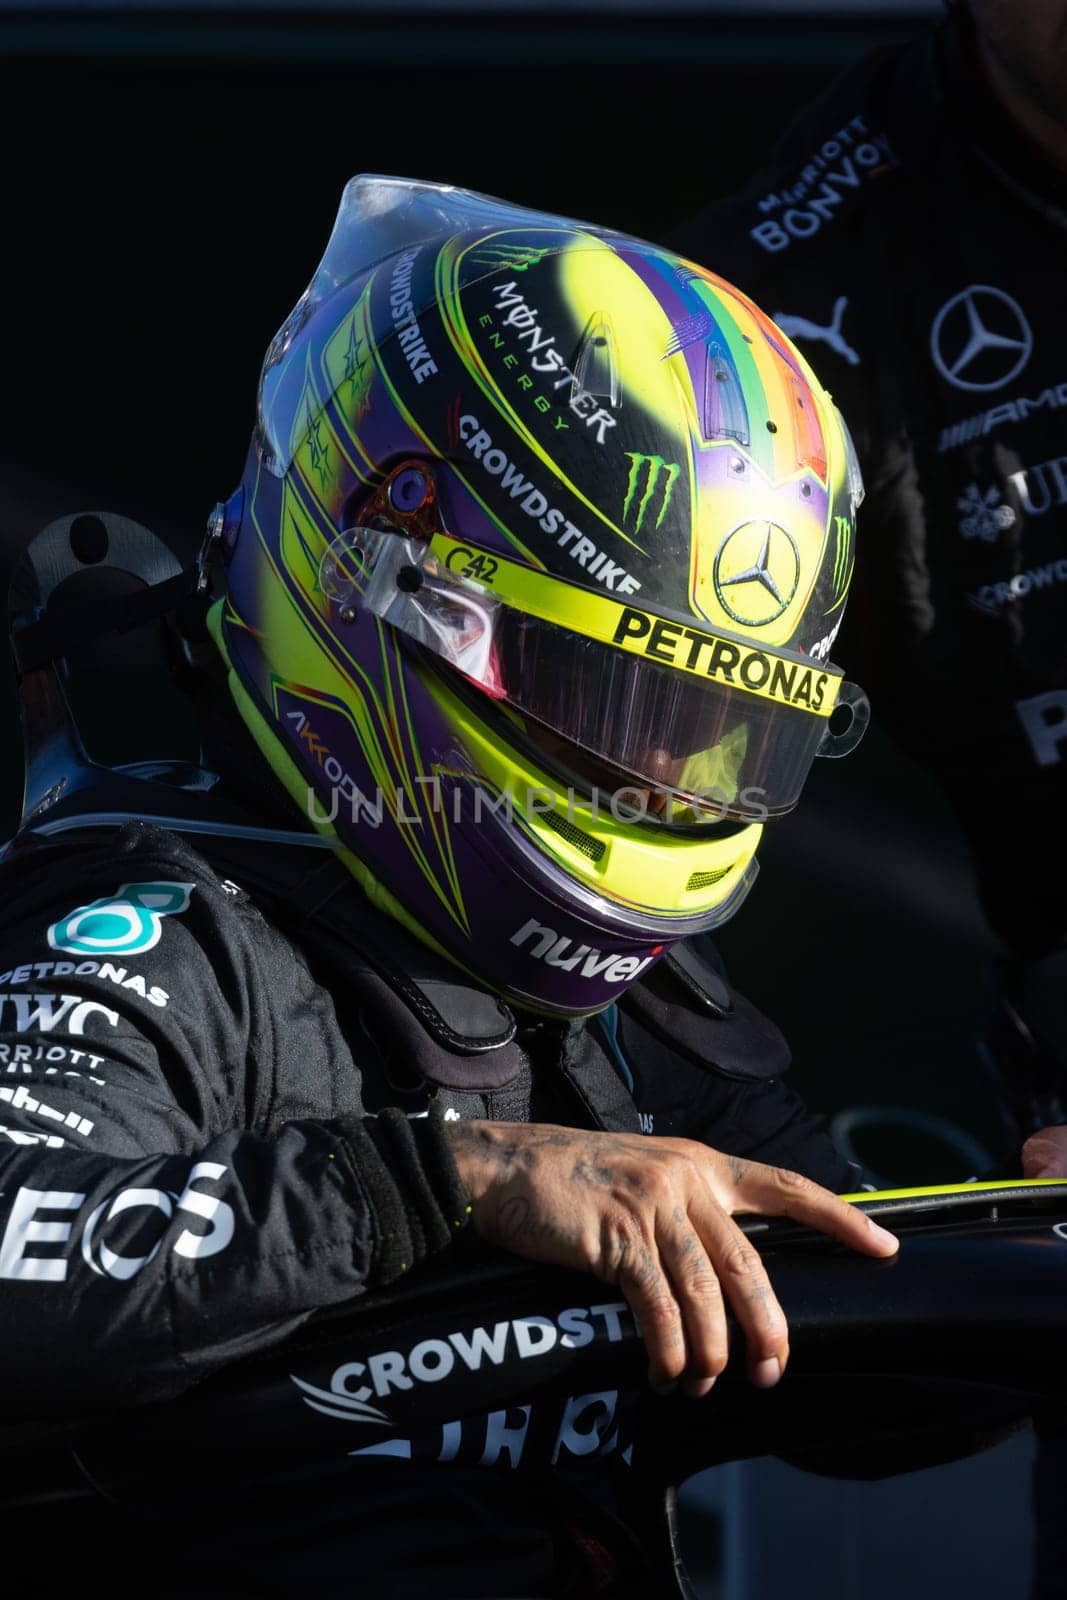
593	848
810	445
704	880
596	366
725	412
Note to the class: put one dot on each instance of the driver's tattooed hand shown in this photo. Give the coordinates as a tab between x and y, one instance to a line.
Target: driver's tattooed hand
654	1217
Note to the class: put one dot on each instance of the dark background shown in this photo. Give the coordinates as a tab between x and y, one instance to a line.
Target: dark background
169	185
170	179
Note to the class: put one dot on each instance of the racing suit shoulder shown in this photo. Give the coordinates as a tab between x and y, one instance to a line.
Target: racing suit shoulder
183	1156
132	941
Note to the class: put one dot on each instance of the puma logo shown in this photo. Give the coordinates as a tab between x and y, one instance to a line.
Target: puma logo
801	328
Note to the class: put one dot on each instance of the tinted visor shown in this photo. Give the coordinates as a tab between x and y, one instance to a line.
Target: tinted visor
707	748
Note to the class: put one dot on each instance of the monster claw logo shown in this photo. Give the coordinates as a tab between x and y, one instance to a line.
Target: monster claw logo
512	258
654	470
842	566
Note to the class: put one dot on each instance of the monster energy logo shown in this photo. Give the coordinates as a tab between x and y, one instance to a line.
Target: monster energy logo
516	257
359	370
654	469
841	558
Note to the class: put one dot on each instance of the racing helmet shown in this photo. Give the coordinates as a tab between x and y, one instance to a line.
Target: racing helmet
531	580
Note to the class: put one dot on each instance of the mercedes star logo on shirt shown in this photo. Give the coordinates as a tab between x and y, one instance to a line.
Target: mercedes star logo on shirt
756	572
980	338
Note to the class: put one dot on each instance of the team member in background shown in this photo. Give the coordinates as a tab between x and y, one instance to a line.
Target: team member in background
910	231
521	609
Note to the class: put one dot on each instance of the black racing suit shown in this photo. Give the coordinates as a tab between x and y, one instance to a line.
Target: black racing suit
224	1083
914	244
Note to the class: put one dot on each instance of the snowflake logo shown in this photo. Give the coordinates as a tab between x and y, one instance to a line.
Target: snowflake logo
983	515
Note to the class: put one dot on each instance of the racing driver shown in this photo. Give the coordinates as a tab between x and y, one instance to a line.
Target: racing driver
520	610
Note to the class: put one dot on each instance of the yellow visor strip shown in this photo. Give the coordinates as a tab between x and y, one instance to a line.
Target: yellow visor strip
784	680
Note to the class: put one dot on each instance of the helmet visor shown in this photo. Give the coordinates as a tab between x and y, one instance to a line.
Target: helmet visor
692	735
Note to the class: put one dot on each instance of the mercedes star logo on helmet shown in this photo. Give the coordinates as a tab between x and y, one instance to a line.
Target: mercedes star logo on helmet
756	572
980	338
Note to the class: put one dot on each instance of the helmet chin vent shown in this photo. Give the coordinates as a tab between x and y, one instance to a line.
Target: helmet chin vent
593	848
703	880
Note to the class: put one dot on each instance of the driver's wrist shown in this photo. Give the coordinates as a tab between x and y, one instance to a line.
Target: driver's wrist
482	1151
